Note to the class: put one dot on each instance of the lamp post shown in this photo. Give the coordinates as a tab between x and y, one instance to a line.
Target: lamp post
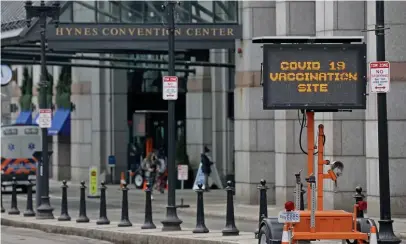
386	234
42	12
172	222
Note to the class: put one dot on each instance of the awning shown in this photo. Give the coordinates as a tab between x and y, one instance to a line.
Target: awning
24	118
36	119
60	123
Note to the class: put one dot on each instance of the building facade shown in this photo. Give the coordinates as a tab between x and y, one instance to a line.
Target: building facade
247	142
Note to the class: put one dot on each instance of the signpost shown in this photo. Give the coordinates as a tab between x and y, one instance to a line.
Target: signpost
6	75
93	182
314	76
379	76
170	88
45	118
183	171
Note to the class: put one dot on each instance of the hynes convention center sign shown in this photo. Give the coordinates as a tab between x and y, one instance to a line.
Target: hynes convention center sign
199	35
142	32
314	76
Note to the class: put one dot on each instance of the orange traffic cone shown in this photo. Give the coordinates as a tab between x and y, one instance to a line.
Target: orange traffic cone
122	180
373	239
144	185
285	235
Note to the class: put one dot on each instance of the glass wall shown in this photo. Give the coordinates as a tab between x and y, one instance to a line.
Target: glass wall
151	12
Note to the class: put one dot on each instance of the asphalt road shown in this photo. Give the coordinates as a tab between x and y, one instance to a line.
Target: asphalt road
11	235
136	206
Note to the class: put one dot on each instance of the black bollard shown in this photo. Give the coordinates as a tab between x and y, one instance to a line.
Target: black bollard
148	223
82	208
230	229
29	212
200	225
64	203
358	196
263	204
14	210
2	208
103	220
125	221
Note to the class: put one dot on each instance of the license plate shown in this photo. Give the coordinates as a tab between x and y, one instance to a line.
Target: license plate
32	177
289	217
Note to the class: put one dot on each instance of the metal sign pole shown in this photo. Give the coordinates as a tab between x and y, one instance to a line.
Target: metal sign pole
386	234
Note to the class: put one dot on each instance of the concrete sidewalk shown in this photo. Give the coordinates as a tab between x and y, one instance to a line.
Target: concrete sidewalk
133	234
250	212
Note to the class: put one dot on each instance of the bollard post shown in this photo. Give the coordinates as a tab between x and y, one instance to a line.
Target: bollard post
230	229
14	210
29	212
64	203
125	221
263	204
2	208
148	223
200	225
82	208
358	196
103	220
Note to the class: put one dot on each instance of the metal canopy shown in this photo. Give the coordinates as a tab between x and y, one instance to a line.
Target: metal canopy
307	39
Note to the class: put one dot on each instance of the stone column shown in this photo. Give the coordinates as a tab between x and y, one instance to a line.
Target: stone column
219	87
61	144
345	131
254	127
85	81
292	19
198	114
395	53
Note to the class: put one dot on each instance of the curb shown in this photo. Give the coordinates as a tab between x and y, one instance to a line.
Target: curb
115	236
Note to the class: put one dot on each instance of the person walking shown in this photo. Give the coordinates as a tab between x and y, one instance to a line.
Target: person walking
150	166
206	167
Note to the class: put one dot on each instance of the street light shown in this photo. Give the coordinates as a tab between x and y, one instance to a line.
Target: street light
172	222
42	12
386	234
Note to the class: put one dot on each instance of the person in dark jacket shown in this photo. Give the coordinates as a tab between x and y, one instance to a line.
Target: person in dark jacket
206	167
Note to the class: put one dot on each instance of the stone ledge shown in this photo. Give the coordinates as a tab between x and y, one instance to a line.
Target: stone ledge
134	234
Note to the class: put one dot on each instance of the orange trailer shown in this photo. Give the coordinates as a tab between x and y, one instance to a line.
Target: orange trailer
315	223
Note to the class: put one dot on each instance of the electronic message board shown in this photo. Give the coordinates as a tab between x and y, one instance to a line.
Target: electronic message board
314	76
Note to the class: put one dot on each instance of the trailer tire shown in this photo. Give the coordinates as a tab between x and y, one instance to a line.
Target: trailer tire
264	237
138	180
364	226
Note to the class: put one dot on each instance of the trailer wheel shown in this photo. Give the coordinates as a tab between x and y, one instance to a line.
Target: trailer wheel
364	226
264	237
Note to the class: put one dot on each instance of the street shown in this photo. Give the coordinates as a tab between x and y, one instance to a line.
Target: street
11	235
136	206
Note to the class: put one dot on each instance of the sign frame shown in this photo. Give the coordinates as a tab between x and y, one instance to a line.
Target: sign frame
165	89
385	90
45	114
361	63
182	168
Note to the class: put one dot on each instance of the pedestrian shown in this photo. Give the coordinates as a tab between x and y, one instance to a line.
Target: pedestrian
150	166
206	167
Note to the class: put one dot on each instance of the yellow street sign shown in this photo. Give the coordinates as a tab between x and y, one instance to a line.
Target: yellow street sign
93	181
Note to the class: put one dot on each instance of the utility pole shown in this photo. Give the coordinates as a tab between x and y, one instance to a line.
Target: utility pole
172	222
42	12
386	234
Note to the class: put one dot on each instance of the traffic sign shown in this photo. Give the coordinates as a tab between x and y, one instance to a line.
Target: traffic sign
93	182
170	87
112	161
6	75
379	76
45	118
183	171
